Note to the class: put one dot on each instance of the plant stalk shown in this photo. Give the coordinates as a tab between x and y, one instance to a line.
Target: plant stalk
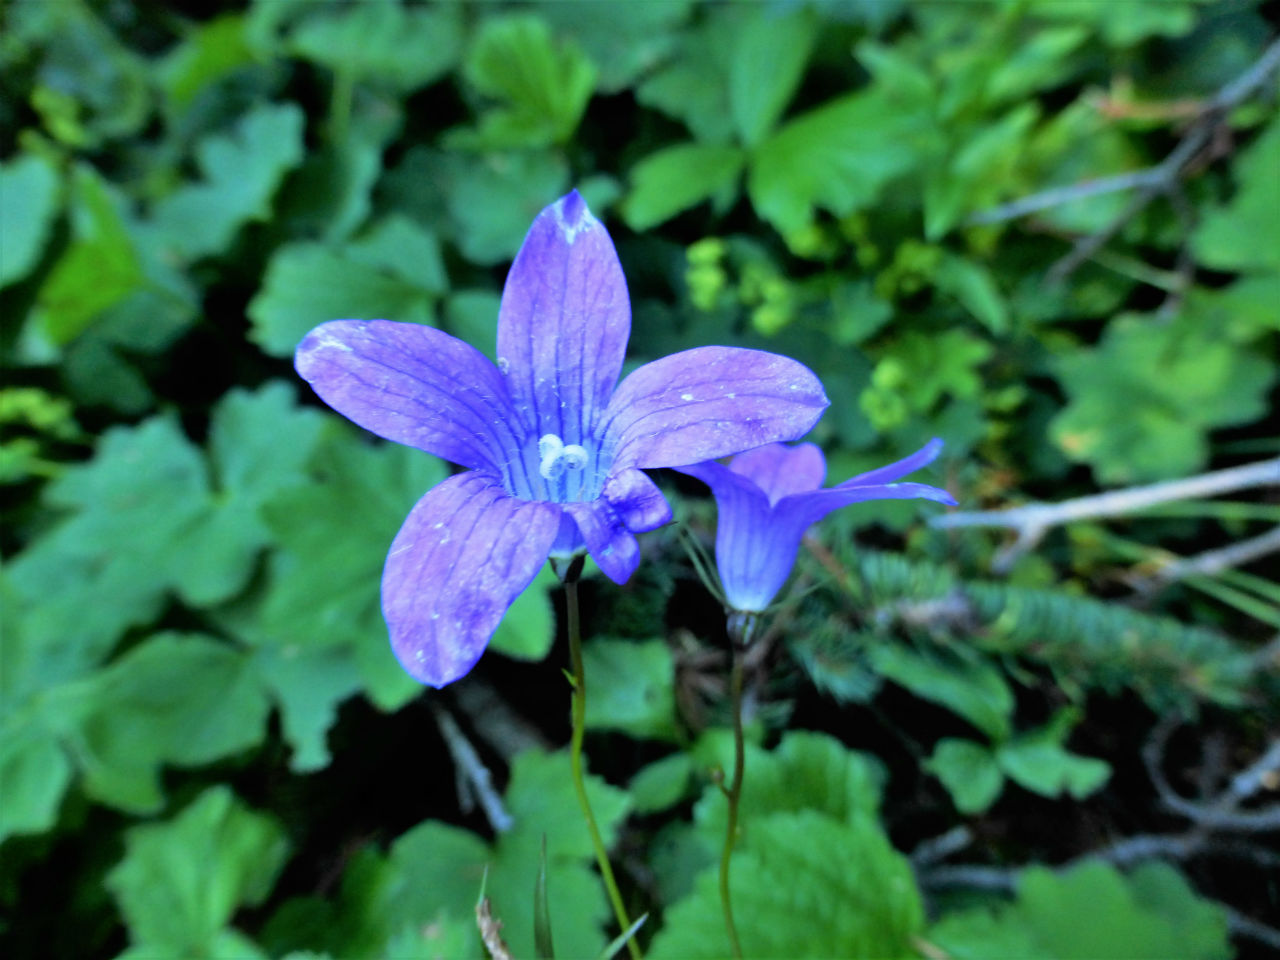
740	629
575	750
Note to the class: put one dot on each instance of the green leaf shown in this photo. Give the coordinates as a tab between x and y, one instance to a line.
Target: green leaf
1090	912
1126	26
859	312
175	698
333	534
492	200
85	85
769	55
631	688
35	772
148	486
385	44
975	690
1244	234
80	590
527	630
972	284
100	267
544	948
806	771
1174	383
29	200
401	248
309	283
968	771
241	173
802	885
472	315
436	869
662	784
623	40
1039	761
258	444
331	193
208	53
693	86
826	158
542	86
973	174
677	178
1073	145
307	685
181	881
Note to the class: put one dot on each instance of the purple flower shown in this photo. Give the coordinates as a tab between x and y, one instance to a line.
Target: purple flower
553	451
767	498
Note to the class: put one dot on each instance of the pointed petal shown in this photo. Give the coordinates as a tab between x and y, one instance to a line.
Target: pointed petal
709	402
812	507
466	551
564	321
610	543
780	470
638	500
415	385
900	468
756	544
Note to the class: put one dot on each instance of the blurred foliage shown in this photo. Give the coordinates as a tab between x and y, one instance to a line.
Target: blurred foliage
189	619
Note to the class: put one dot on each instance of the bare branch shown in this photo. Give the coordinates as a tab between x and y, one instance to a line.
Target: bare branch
1221	812
1212	561
1149	183
1032	521
474	780
1245	926
940	847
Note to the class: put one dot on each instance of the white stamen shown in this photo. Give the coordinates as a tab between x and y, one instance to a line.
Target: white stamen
552	466
556	457
549	445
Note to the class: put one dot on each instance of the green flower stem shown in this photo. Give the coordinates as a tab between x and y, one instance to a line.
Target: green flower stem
579	681
740	629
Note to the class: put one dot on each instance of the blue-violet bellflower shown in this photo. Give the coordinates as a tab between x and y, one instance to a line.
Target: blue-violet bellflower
768	497
552	444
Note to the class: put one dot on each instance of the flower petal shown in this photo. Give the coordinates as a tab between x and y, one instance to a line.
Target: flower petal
780	470
415	385
815	505
638	500
564	321
756	544
610	543
900	468
466	551
709	402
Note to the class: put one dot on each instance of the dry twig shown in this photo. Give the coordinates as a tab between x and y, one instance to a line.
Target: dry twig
1164	178
474	780
1211	561
491	931
1033	520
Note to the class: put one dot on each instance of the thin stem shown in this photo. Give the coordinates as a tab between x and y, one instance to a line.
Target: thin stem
741	626
733	793
575	749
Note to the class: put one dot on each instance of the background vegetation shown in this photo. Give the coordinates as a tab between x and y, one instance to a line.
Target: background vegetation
1053	739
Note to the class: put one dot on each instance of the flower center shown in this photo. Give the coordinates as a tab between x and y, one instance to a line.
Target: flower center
556	457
